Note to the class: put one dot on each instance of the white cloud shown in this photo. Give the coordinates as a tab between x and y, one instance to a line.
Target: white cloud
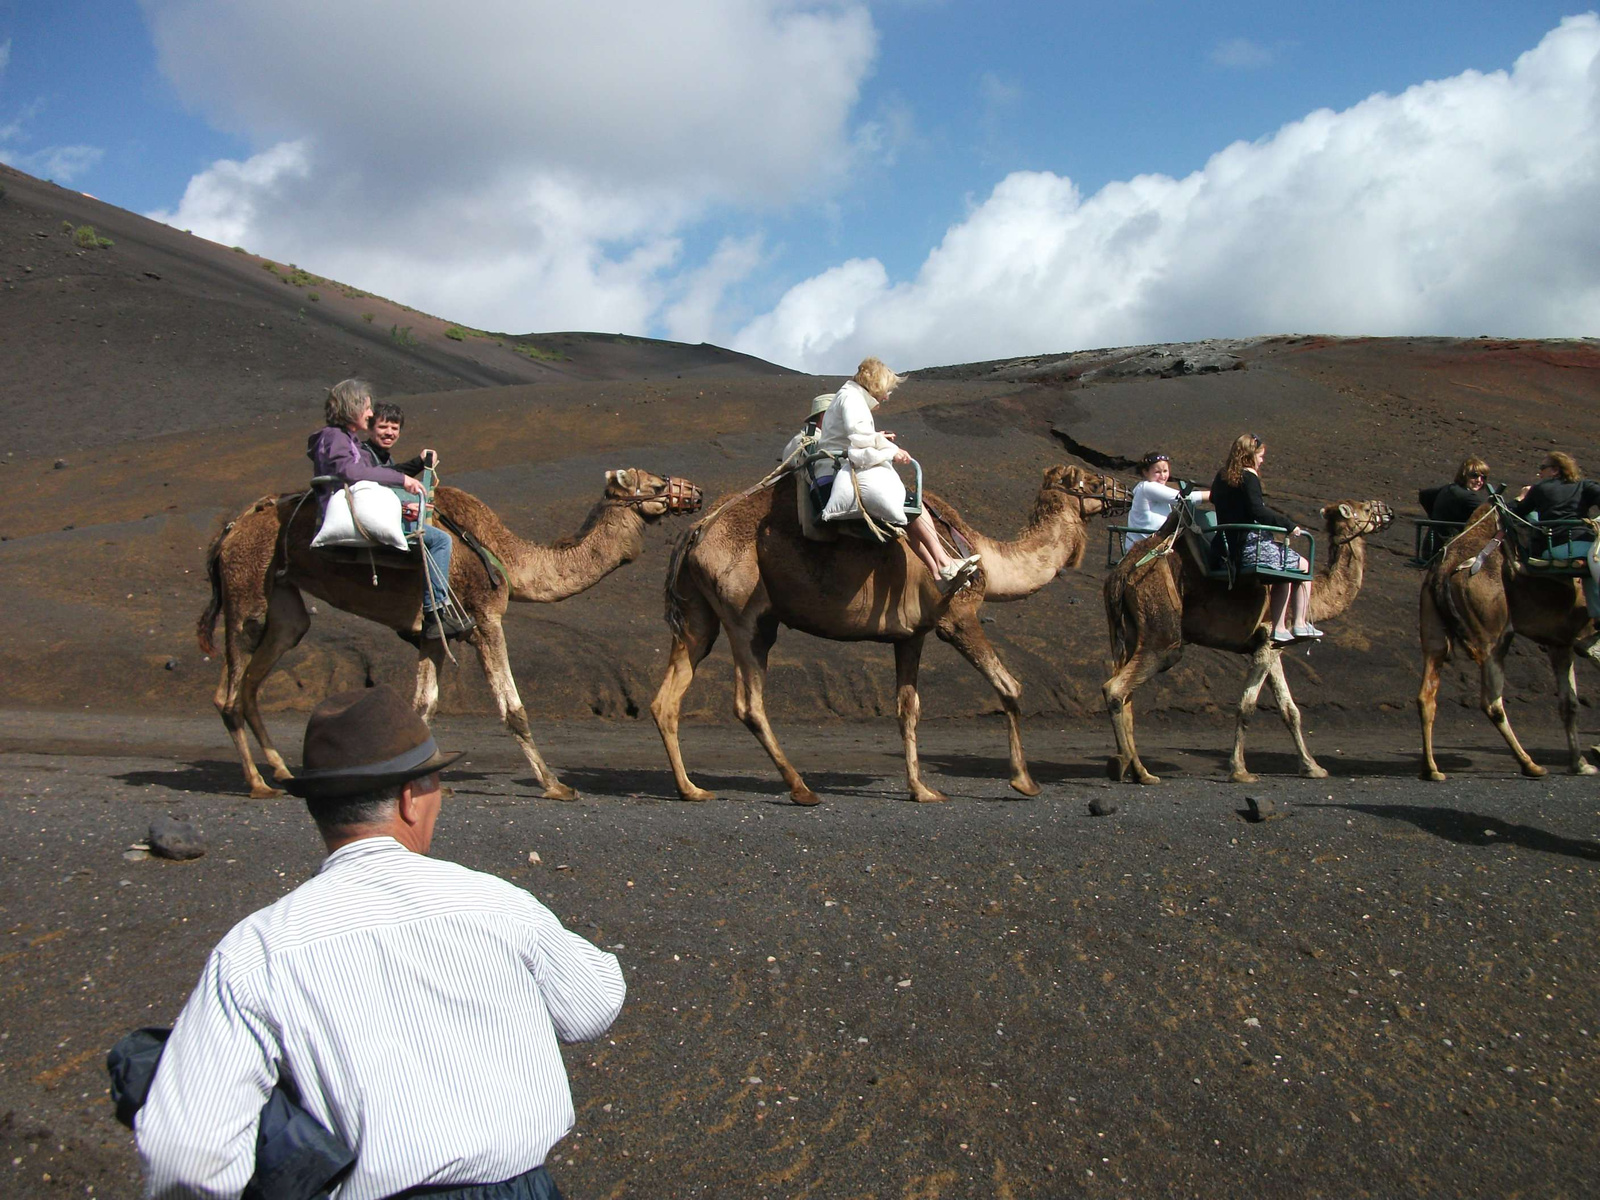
62	164
1460	206
515	163
1240	54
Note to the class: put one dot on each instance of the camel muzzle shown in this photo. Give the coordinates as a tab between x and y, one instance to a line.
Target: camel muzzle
681	495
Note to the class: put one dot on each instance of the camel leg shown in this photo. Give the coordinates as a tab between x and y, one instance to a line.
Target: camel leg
1563	664
286	624
700	626
1435	652
973	645
1118	692
750	673
1290	711
908	707
238	646
430	661
1260	668
1492	684
491	642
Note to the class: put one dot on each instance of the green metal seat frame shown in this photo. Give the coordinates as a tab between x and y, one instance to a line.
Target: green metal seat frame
1430	538
1539	540
1205	524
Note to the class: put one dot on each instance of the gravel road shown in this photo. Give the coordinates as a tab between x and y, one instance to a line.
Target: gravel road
1390	991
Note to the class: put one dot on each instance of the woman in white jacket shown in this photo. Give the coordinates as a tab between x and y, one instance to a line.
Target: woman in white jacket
849	433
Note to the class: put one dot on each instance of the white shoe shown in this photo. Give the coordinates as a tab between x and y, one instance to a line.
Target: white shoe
958	572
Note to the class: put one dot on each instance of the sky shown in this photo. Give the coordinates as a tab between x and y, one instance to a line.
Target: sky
812	181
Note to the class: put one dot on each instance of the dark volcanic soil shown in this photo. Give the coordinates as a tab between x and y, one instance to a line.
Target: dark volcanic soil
1390	992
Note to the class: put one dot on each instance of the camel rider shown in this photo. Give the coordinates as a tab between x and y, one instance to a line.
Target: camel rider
1153	498
1237	497
801	452
848	434
336	450
388	419
1561	493
1458	500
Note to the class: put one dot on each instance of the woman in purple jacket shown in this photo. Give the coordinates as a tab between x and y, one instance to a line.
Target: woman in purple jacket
335	450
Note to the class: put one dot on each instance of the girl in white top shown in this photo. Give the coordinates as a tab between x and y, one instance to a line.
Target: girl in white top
1153	499
867	467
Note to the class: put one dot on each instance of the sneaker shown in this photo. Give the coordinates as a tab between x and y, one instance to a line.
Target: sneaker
958	573
1282	637
446	623
1306	633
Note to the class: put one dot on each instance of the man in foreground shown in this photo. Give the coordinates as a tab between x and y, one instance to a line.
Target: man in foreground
414	1005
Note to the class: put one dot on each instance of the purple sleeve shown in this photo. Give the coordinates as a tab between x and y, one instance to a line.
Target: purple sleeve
334	452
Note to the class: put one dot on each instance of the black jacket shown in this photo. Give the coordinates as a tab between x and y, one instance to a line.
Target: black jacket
1244	505
382	458
1453	502
1557	500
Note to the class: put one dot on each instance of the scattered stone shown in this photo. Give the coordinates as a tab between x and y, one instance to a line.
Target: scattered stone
1101	807
61	464
533	857
171	838
135	855
172	664
1261	809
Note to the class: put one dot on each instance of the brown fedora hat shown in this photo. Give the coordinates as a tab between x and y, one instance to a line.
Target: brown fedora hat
362	741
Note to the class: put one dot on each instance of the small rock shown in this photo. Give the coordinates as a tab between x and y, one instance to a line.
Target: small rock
136	855
533	857
1253	1022
171	838
1101	807
1261	809
61	464
172	664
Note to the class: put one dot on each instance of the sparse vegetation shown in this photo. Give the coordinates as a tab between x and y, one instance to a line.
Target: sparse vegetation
313	296
537	353
367	317
66	227
240	250
455	334
401	335
85	237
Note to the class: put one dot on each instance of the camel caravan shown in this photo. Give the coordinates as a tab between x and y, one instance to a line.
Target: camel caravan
833	543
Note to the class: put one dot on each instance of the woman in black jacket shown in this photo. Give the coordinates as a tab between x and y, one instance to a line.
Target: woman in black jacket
1459	500
1236	495
1561	493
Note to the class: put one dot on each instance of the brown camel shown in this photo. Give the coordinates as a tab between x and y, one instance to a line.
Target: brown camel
261	562
1477	596
1156	607
749	569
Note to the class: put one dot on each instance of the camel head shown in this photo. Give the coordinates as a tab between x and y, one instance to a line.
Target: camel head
1351	519
1094	493
651	495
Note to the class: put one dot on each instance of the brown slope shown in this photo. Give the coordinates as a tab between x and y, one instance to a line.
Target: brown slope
165	332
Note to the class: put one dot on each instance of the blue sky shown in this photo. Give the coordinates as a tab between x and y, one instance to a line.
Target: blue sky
814	180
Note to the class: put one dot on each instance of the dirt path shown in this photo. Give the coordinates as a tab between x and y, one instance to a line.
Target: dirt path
1391	991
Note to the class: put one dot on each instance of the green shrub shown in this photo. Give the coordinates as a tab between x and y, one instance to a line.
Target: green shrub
455	334
88	239
240	250
367	317
66	227
312	296
537	353
401	335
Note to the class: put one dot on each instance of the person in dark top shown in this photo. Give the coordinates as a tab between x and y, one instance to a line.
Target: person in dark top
1457	501
388	419
1561	493
1236	495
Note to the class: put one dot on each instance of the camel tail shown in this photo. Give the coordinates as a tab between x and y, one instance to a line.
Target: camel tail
674	598
206	626
1117	616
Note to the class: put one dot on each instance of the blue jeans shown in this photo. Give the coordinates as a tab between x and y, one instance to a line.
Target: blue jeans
1591	590
436	554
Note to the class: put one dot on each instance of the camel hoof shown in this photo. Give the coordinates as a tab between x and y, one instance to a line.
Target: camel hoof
1148	778
1116	769
282	773
1316	772
1534	771
1026	786
560	791
1428	776
805	797
265	793
1243	777
927	796
1584	768
696	795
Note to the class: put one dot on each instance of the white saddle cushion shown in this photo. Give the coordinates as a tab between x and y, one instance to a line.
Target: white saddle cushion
377	510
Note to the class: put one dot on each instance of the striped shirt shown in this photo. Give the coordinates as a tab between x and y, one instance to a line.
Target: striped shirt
415	1004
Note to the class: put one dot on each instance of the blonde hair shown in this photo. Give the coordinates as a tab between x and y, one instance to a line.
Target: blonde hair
1565	464
345	401
1242	455
876	378
1472	466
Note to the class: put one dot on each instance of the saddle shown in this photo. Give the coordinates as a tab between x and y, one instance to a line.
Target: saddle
815	475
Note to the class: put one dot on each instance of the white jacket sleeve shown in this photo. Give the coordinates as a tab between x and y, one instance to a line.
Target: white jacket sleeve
868	447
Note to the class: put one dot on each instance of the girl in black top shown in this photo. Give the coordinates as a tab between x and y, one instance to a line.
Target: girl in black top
1459	500
1236	495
